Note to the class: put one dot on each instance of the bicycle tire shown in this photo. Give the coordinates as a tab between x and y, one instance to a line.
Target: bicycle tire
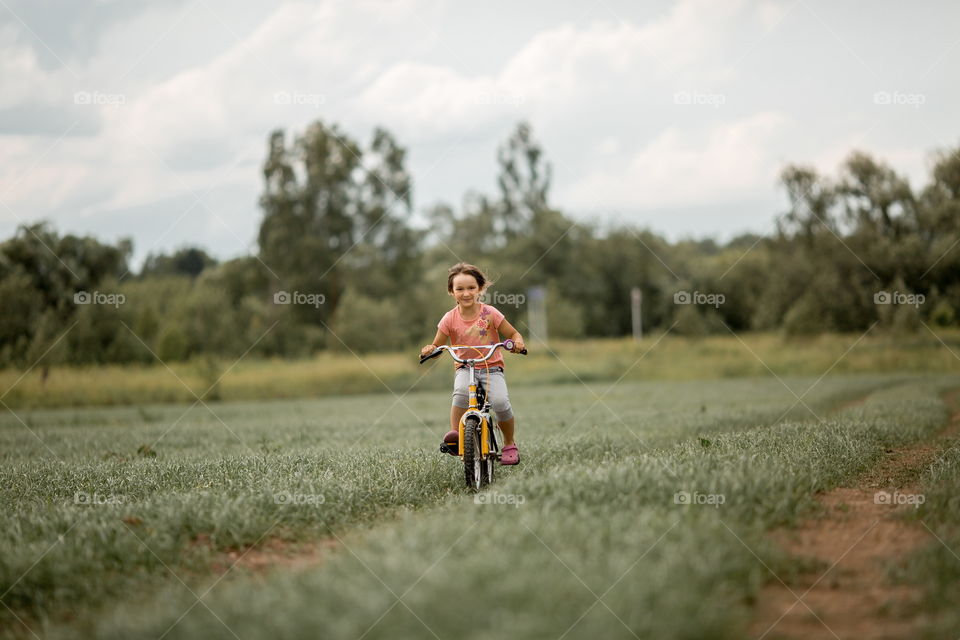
472	458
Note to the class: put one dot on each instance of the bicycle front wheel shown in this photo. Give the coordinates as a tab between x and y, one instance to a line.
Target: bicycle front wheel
472	457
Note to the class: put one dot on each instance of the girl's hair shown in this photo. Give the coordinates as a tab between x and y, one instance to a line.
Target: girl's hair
469	269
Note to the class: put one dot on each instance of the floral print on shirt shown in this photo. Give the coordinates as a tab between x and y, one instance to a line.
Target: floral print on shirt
482	326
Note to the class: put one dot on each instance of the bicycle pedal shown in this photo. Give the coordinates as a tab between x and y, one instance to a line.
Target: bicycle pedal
449	448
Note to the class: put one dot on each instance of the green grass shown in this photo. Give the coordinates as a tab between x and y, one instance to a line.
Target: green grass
332	374
597	484
936	566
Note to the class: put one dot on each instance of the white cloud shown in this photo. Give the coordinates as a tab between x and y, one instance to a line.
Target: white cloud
224	108
234	93
228	100
683	168
24	80
556	73
426	101
308	49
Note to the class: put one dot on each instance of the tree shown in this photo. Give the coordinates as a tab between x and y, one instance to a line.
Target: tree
48	270
308	224
939	221
343	220
385	257
812	200
874	198
189	261
524	181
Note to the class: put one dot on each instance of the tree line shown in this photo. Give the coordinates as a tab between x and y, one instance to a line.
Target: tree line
343	263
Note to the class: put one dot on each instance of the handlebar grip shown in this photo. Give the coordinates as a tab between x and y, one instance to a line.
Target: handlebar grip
432	355
508	344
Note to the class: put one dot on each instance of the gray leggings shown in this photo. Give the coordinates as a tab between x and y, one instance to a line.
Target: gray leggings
495	386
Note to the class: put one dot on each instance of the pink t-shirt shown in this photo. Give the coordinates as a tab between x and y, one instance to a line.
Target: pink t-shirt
479	331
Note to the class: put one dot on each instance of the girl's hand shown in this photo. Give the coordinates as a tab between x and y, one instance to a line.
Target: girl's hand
518	345
428	349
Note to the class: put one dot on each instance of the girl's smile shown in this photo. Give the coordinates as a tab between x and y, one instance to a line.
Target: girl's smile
465	291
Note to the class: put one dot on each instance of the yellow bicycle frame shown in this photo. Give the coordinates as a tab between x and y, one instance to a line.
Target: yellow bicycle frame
473	410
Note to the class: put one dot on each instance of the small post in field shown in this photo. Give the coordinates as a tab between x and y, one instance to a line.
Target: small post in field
537	313
636	302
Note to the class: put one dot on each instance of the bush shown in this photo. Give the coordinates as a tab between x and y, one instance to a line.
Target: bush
361	324
564	316
807	316
943	314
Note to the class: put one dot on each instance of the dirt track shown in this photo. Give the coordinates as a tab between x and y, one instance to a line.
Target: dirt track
859	535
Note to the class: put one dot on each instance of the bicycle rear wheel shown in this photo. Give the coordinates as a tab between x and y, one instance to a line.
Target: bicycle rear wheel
472	458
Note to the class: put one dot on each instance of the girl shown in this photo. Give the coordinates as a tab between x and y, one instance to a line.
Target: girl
473	323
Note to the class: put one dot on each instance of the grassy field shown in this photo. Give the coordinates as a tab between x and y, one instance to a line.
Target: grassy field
657	357
936	567
115	519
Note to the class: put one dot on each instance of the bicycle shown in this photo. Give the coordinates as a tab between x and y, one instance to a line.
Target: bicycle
479	442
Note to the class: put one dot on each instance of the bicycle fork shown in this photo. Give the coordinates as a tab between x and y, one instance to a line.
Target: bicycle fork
473	410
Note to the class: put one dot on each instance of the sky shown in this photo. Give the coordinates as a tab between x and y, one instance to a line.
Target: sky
149	120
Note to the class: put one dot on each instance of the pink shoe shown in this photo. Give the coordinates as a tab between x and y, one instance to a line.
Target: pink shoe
510	455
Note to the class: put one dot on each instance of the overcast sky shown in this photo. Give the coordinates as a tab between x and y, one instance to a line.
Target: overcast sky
150	119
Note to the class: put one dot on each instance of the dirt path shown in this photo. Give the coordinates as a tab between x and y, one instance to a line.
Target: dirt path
860	534
270	553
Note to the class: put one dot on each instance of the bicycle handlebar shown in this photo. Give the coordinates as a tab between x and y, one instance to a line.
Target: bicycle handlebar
436	353
491	349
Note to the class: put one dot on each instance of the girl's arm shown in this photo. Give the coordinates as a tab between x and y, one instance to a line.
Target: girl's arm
439	339
507	329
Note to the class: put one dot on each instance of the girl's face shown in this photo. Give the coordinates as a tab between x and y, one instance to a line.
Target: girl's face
465	290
